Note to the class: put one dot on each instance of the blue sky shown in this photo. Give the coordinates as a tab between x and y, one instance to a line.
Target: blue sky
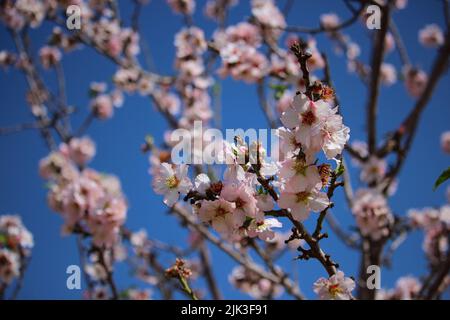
119	139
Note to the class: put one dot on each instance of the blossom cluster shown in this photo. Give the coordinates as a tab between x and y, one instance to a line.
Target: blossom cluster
16	243
406	288
435	223
88	201
254	285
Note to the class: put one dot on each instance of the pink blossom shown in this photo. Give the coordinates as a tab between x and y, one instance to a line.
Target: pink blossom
146	85
171	181
336	287
55	166
6	58
415	81
262	228
329	20
50	56
372	213
202	183
105	220
12	18
303	201
214	9
373	170
253	284
243	62
127	79
245	33
79	150
102	106
389	43
99	292
267	14
286	66
220	214
137	294
190	42
319	127
264	202
445	142
316	60
298	175
182	6
245	203
167	101
284	101
9	265
79	197
352	51
400	4
288	142
431	36
334	135
15	234
33	11
388	74
407	288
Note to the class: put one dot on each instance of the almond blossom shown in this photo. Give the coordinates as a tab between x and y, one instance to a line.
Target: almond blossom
9	266
336	287
182	6
406	288
388	74
79	150
245	202
445	141
49	56
373	216
302	201
415	81
15	235
317	126
263	228
431	36
252	284
171	182
222	216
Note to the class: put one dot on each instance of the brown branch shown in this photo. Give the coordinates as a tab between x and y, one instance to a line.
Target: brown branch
350	240
267	111
315	250
290	286
330	192
208	272
20	127
188	218
109	274
410	124
403	53
375	79
437	277
321	29
23	268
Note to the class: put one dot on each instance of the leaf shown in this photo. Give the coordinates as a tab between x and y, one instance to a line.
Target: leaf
445	175
339	170
278	90
3	239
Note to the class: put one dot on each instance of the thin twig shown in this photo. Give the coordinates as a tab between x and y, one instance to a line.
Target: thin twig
208	272
375	79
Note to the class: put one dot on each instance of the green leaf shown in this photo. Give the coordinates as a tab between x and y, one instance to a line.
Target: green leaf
278	90
445	175
339	170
